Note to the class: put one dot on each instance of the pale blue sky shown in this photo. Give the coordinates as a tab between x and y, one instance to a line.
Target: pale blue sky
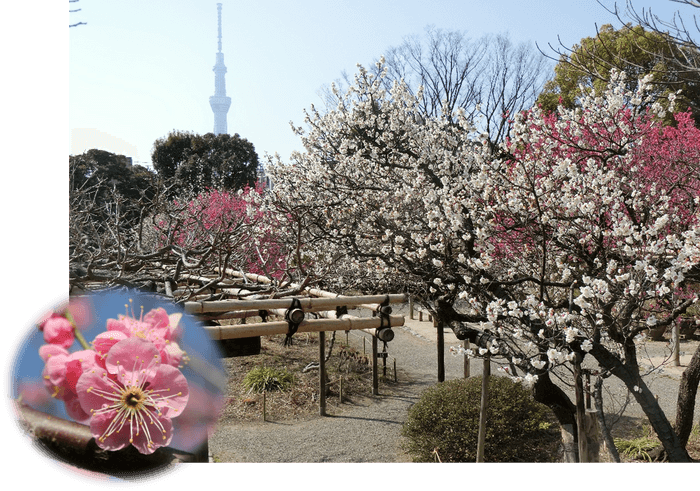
141	69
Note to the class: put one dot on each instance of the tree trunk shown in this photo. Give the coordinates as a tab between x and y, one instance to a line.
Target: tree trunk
607	437
551	395
687	391
628	373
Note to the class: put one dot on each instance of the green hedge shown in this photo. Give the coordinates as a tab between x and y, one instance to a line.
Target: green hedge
444	424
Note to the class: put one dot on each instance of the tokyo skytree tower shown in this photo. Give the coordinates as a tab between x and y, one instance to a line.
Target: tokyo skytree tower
219	102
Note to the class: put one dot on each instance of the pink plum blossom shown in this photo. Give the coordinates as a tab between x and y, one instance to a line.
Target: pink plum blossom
61	373
57	330
133	399
156	326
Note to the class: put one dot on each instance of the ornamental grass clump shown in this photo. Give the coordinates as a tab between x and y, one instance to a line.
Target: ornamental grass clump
266	379
444	423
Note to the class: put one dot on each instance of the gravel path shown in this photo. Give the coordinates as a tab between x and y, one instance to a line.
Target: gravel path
369	430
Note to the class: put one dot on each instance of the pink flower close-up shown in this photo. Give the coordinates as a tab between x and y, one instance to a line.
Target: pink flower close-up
157	327
133	399
61	373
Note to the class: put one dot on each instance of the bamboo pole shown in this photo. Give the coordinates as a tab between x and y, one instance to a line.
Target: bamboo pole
237	314
308	304
250	276
308	325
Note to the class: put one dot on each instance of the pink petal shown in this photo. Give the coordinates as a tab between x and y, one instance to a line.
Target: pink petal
159	437
104	341
172	354
118	325
169	377
79	362
46	351
131	359
157	318
89	387
44	318
58	330
75	410
98	426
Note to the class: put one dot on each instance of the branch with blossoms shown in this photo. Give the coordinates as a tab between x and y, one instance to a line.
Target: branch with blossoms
557	243
124	390
170	239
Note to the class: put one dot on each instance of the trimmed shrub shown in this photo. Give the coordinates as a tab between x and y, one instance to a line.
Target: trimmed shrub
261	379
444	424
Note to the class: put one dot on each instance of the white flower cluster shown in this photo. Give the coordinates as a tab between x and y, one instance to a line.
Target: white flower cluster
558	241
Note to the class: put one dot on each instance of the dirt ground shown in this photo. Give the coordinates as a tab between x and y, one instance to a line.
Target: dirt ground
300	403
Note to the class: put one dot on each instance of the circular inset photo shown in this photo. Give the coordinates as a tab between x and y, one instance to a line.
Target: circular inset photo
120	383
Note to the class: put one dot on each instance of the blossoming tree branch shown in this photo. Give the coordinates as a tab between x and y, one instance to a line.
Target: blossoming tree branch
568	240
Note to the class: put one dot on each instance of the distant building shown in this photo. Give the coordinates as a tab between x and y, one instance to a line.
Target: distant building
264	180
219	102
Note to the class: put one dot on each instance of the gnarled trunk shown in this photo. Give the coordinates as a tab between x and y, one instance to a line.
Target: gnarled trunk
687	392
552	396
628	373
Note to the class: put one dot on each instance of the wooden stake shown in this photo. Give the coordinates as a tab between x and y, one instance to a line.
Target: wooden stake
440	352
375	371
264	405
483	408
467	361
322	372
580	412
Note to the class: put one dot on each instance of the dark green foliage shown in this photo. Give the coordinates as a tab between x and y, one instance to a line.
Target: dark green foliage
102	179
445	422
261	379
191	163
635	51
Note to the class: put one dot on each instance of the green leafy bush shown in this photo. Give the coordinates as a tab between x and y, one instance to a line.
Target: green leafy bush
444	424
261	379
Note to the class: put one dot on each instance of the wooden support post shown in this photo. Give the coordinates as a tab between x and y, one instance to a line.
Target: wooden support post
322	372
676	344
410	307
580	411
340	396
264	405
467	361
395	377
588	389
375	371
420	315
483	408
440	351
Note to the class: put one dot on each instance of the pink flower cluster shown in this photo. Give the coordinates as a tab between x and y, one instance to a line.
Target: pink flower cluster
234	221
127	386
